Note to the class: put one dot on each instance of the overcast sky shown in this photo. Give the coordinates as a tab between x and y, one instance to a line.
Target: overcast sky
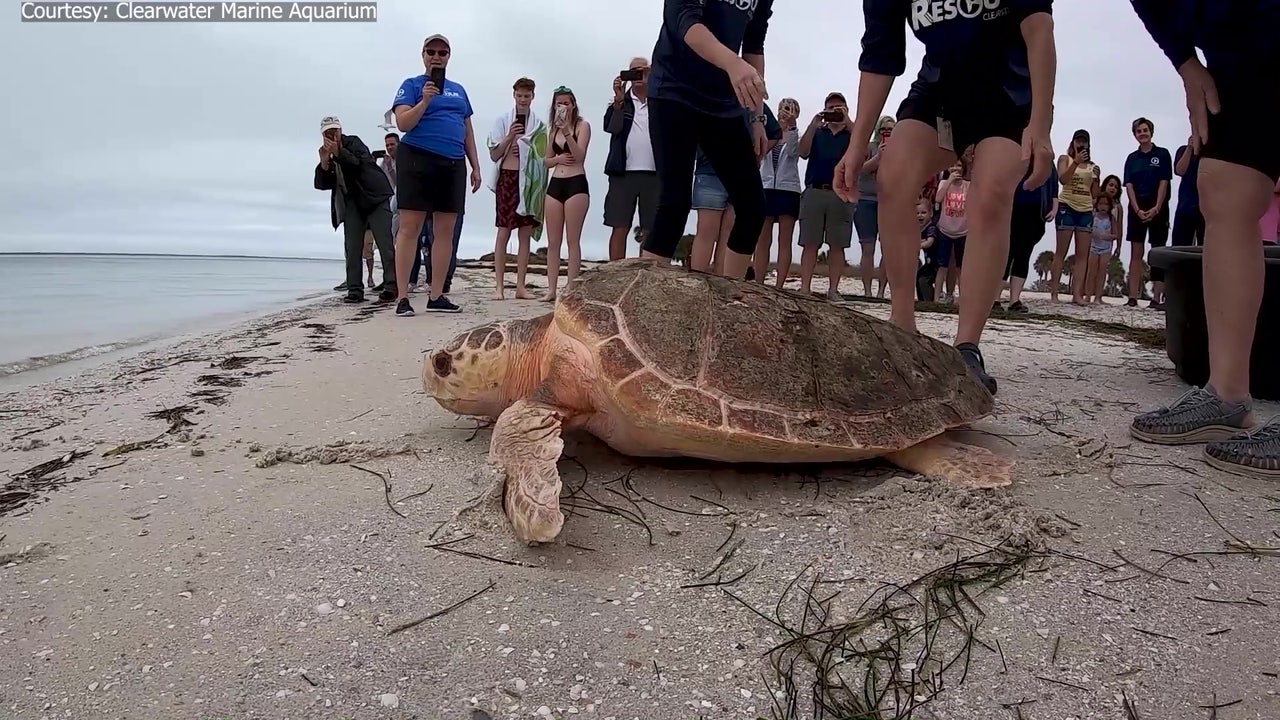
192	138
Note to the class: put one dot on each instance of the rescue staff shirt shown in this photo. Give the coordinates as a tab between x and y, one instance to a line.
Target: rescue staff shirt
678	73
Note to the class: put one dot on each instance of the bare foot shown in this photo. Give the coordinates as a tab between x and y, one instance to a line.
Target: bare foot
499	295
549	297
522	294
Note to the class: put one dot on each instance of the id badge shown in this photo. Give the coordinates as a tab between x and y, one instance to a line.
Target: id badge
945	141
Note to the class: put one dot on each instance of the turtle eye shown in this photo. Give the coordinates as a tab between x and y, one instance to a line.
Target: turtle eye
442	363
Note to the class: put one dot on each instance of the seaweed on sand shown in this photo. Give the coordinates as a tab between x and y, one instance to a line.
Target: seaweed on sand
901	648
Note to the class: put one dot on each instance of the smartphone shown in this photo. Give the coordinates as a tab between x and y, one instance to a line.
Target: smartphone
437	78
631	75
521	118
561	110
379	154
832	115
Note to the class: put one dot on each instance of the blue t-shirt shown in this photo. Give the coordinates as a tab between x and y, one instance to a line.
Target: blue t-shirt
678	73
927	232
441	129
772	131
1188	192
1145	170
824	153
965	41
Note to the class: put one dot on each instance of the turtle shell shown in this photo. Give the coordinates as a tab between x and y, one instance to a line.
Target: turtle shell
721	359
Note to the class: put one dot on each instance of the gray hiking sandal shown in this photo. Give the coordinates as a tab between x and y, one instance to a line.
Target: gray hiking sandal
1255	453
1198	416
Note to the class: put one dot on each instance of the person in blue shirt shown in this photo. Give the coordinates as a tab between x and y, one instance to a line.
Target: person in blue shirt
1031	210
431	169
1148	172
1227	95
698	86
1188	223
986	80
824	216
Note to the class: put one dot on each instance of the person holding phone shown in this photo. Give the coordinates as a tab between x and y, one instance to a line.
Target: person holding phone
633	178
987	80
780	173
434	113
698	87
568	194
1080	185
824	217
517	146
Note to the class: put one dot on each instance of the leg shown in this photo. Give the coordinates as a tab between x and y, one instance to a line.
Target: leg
411	222
813	228
575	211
722	241
728	147
453	254
380	224
786	233
1136	232
898	183
526	446
554	223
353	228
866	223
704	239
500	242
619	210
618	242
1159	238
867	265
451	200
760	258
1080	273
839	239
523	236
997	169
1059	258
442	225
968	466
672	132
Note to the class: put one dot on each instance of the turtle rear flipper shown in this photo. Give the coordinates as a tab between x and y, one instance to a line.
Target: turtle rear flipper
967	466
526	446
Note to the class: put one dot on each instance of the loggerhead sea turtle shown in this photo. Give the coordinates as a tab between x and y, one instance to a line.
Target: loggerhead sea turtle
658	361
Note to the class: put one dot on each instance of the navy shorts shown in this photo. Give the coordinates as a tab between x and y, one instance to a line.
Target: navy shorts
781	203
976	112
1234	135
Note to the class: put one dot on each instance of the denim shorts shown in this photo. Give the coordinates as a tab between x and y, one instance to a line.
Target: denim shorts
866	220
709	193
1069	219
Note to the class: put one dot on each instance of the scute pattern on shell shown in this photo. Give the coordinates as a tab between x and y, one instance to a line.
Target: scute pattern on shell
743	358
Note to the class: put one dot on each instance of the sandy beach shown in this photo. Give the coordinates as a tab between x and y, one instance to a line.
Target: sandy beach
260	524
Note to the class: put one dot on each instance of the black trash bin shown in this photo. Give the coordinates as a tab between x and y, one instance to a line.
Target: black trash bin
1186	336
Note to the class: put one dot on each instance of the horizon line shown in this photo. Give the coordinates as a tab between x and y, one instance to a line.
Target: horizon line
50	253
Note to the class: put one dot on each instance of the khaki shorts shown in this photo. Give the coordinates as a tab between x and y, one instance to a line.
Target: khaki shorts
368	244
824	217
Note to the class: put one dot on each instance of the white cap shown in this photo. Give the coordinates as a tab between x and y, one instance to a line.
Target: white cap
330	123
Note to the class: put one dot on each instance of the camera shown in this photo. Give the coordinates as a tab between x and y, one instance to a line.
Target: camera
631	75
832	115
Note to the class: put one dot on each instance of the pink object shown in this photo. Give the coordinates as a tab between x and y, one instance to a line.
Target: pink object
1270	223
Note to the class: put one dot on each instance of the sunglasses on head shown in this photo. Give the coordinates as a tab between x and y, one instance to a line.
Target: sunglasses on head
562	89
436	53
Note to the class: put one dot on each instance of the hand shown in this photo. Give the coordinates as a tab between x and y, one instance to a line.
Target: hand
1202	99
617	91
1037	149
475	179
747	83
565	158
515	131
330	147
324	152
845	182
1083	155
429	91
758	140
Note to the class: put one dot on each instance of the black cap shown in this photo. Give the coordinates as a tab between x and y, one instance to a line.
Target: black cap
1081	133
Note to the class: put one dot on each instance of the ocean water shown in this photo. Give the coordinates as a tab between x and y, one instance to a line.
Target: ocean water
63	308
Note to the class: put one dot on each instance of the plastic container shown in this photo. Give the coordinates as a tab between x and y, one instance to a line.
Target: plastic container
1186	336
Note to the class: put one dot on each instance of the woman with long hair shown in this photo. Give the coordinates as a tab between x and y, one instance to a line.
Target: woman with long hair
780	173
1113	188
567	193
1079	180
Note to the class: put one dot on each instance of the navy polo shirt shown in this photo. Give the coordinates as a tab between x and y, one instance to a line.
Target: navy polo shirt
1188	192
824	153
965	41
1145	170
678	73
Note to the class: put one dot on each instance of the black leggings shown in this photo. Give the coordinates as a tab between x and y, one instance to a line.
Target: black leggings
1026	229
676	131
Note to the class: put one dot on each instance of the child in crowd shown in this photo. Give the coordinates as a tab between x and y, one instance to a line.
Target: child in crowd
1101	247
928	237
953	229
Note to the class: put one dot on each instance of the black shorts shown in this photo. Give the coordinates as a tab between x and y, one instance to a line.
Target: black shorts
975	112
1236	134
1188	227
564	188
1155	230
781	203
428	182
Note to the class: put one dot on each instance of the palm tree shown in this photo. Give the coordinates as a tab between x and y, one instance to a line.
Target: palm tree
1044	264
1115	285
1069	265
682	249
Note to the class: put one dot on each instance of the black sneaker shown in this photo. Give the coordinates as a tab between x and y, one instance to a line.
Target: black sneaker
1018	307
380	287
442	304
1133	302
977	367
353	298
403	308
387	296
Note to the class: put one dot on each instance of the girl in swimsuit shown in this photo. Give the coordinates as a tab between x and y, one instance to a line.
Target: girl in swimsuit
567	193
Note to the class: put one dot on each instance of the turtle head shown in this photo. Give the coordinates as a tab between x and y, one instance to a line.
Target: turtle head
471	375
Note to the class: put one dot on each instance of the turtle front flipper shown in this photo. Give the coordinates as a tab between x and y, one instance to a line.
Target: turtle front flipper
526	445
968	466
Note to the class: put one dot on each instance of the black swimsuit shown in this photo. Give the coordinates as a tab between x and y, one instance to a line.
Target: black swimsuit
563	188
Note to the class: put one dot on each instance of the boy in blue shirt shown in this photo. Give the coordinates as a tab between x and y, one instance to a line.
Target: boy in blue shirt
986	80
1227	97
431	169
1147	174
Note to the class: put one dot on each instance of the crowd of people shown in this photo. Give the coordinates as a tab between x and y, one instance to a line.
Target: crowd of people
963	170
